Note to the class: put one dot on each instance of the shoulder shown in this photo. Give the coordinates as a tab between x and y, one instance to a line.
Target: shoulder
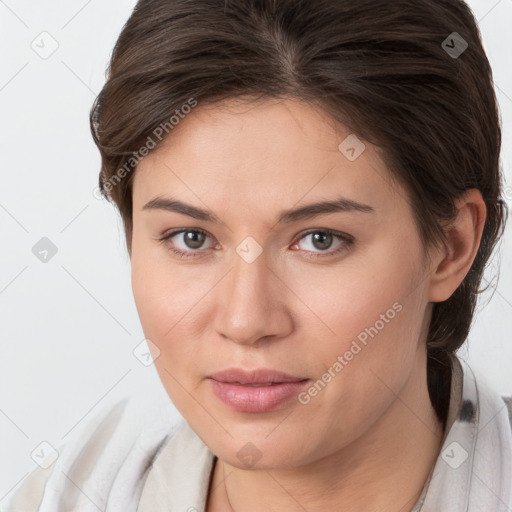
104	461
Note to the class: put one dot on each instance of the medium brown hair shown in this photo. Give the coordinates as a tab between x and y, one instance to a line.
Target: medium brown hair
383	68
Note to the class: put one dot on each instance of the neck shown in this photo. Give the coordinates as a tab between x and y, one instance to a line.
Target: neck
385	469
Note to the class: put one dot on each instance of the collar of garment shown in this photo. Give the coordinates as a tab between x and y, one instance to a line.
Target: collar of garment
474	469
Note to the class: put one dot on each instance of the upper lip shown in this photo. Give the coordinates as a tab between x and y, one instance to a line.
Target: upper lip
258	376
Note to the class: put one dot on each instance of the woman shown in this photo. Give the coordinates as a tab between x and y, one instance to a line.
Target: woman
310	192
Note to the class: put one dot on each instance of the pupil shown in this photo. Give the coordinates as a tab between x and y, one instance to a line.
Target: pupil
322	238
194	239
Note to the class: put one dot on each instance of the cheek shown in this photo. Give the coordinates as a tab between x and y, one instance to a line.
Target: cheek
171	300
153	297
164	304
376	311
160	299
362	293
167	308
370	308
163	291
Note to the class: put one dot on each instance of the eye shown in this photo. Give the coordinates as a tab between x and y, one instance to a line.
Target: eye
185	242
320	240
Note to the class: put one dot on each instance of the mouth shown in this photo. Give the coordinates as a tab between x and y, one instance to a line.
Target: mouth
257	377
255	391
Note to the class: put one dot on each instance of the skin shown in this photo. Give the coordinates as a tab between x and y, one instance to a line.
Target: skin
370	437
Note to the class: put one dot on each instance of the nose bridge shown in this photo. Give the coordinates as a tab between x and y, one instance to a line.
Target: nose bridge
247	310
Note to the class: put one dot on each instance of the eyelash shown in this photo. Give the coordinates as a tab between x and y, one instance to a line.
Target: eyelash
346	239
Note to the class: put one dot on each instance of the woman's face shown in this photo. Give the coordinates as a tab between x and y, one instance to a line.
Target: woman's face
335	297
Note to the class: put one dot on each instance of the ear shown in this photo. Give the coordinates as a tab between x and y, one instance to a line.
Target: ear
453	261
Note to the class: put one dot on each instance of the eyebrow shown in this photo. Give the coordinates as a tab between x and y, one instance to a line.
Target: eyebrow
287	216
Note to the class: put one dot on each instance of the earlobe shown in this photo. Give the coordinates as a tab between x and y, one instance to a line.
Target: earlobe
463	237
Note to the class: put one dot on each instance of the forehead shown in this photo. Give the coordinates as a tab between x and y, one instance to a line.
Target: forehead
262	155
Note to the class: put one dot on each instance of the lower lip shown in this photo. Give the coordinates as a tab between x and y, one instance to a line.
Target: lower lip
256	398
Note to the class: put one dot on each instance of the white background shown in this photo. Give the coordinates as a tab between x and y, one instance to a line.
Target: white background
69	326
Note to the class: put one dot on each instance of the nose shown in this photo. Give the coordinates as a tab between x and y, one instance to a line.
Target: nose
250	304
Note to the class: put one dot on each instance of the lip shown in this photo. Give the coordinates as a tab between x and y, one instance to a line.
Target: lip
257	376
255	391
